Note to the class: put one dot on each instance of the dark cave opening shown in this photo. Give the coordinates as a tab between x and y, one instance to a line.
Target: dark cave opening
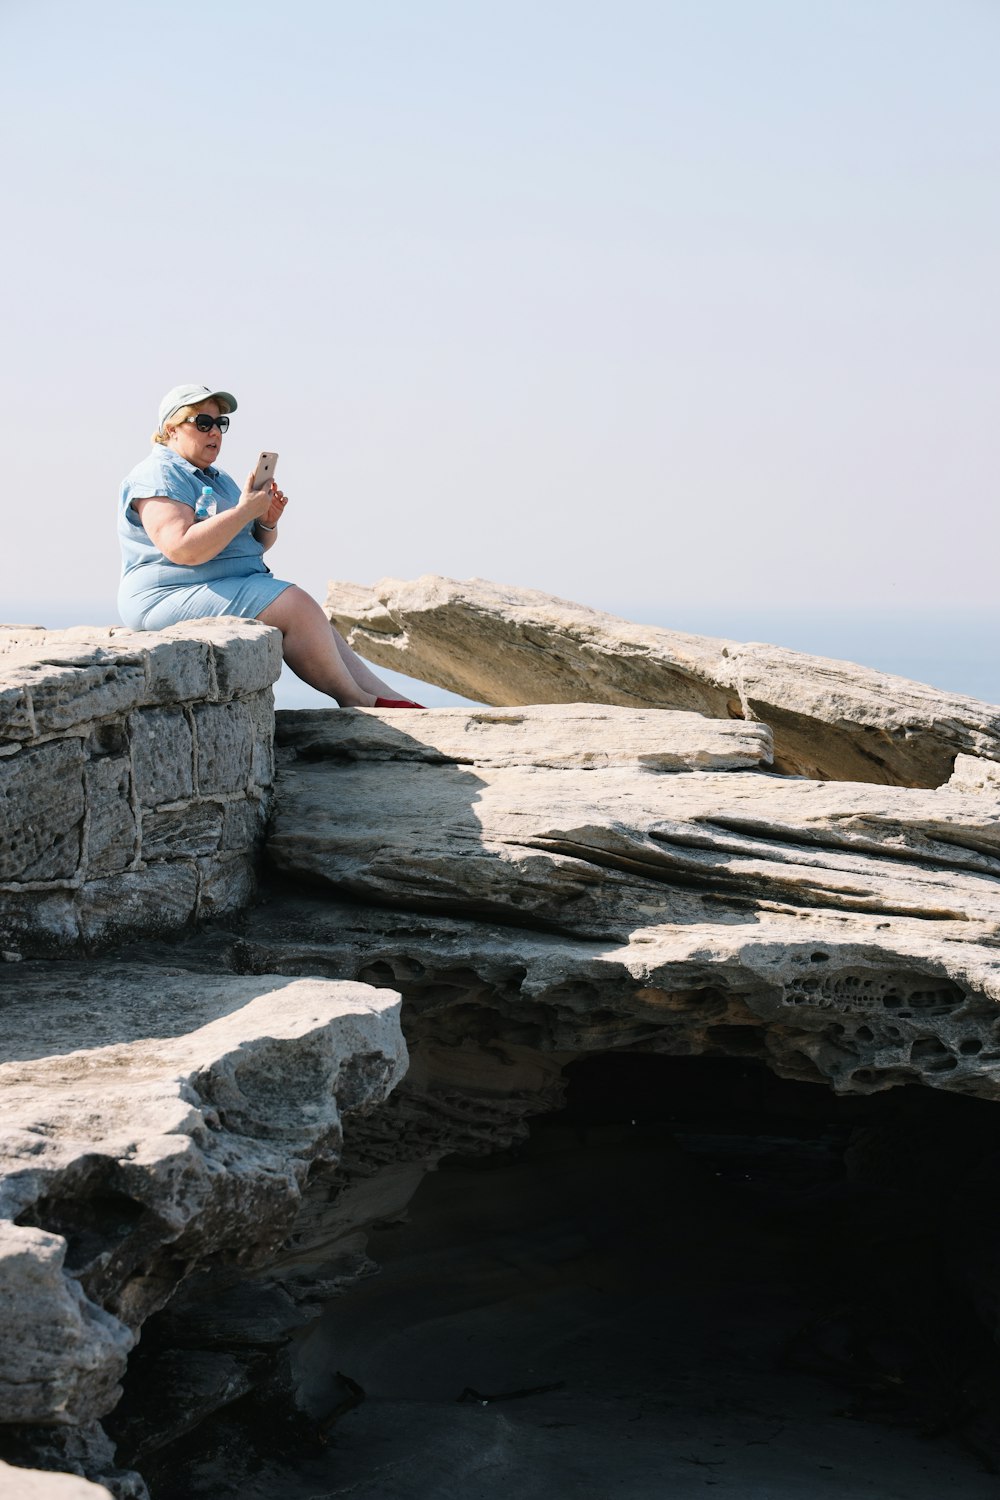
878	1209
695	1273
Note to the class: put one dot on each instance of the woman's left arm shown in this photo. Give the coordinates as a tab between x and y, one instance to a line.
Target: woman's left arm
266	526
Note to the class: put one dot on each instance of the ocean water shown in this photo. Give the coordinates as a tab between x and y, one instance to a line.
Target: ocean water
956	650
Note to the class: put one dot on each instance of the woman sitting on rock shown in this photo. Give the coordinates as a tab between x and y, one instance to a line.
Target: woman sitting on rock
177	566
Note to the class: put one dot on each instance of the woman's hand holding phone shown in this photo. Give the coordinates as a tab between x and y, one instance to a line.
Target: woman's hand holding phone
260	489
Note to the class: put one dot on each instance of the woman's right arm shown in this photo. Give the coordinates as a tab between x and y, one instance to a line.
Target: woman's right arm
172	528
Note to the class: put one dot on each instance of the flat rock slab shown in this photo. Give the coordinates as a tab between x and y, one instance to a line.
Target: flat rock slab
55	681
580	736
832	720
173	1118
599	851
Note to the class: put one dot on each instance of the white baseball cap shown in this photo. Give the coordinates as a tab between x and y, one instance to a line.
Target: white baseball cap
191	395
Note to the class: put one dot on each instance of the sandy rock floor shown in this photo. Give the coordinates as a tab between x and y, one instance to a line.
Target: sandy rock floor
700	1328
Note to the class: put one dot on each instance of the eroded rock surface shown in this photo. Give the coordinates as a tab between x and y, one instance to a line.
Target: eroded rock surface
500	645
155	1120
850	932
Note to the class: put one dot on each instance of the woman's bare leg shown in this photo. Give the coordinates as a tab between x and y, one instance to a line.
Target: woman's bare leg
362	674
312	652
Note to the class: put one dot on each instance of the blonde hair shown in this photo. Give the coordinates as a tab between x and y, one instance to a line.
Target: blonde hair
162	434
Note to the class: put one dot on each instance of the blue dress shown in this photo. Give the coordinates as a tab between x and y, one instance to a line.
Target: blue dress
155	592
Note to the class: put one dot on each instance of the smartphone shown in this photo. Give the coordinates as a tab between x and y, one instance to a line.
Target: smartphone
264	472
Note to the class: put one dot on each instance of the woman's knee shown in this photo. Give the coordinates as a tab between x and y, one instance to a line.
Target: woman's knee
293	607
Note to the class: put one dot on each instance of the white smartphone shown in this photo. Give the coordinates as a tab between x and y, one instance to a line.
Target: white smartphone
264	472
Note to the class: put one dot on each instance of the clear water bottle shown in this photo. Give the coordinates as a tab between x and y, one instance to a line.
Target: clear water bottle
206	504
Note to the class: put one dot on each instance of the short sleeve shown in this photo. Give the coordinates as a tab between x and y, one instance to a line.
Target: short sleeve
157	476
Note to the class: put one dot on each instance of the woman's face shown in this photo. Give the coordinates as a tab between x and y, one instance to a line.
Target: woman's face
199	448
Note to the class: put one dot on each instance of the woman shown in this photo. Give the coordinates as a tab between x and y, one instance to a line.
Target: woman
178	567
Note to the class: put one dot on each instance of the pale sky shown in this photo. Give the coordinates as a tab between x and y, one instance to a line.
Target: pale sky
644	304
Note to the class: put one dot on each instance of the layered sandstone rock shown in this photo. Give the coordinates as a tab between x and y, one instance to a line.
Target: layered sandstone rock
831	720
539	884
135	770
848	932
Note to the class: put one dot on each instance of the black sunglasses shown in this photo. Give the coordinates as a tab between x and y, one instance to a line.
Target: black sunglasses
205	423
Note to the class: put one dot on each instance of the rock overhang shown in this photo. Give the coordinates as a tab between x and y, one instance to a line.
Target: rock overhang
500	644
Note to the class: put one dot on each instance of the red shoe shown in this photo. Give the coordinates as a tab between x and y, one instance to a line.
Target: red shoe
396	703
